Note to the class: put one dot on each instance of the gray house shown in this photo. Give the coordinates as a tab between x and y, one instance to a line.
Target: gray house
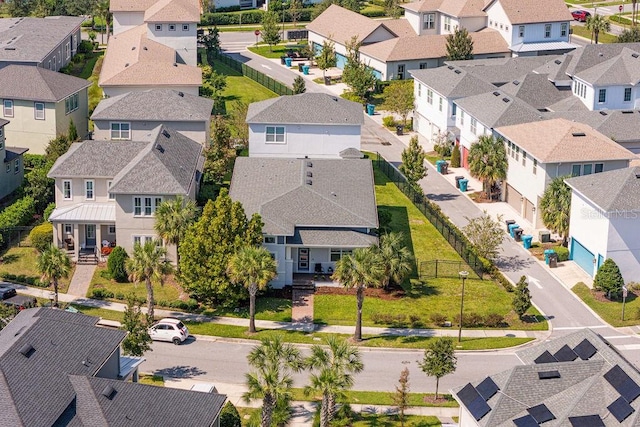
60	369
48	42
13	171
107	191
132	115
315	210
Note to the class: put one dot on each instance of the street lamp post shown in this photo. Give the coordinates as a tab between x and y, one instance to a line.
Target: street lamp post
624	299
463	275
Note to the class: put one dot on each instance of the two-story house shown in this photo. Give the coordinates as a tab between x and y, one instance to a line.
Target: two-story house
12	173
131	116
314	125
107	191
40	104
48	42
314	210
540	151
444	16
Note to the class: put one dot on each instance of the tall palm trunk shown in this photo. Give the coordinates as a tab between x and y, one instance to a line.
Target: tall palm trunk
55	292
150	301
253	290
268	403
177	257
331	403
325	411
359	302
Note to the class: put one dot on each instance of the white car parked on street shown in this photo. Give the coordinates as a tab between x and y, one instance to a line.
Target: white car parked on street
171	330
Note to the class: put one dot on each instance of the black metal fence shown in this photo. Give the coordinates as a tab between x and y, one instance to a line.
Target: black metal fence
255	75
434	215
435	268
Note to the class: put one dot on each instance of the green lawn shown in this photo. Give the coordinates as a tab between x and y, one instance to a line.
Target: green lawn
610	311
272	51
156	380
381	398
377	420
581	31
169	292
22	261
240	87
95	91
267	308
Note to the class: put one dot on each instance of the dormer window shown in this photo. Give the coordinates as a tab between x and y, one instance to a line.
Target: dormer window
429	21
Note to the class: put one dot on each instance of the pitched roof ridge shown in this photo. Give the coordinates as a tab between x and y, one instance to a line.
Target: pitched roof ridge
88	408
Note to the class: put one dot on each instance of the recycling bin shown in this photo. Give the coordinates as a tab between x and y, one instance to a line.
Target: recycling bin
526	241
511	228
463	185
288	62
458	178
371	109
547	255
517	234
439	164
305	70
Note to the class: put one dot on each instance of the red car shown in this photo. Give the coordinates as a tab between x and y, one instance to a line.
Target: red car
580	15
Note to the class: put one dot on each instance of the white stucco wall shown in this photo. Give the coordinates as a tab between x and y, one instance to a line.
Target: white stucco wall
123	21
431	119
623	244
184	42
589	225
467	137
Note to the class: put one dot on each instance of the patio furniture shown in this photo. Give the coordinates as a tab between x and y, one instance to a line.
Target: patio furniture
68	243
318	268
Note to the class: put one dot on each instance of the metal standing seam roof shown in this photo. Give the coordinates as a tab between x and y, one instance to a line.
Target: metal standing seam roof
31	83
93	212
534	47
617	190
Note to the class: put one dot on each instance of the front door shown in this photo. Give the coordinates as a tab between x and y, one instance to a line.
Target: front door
90	235
303	259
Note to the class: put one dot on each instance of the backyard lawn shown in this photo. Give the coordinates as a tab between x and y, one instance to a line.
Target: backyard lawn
21	261
240	87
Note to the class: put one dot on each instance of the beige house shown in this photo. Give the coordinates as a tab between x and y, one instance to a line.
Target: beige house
40	104
107	191
12	173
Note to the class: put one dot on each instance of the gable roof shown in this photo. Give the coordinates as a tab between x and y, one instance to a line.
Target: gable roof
306	108
31	83
331	24
556	68
616	190
536	90
173	11
530	12
130	6
340	194
619	125
498	71
495	109
154	105
400	27
132	59
455	8
452	82
33	39
591	55
560	140
623	68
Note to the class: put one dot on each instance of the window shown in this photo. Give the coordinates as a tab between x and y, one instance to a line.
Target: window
38	110
599	167
120	131
602	96
524	158
440	104
401	72
419	90
461	118
172	27
66	190
148	209
185	27
7	109
269	239
111	229
506	28
563	30
428	21
71	103
429	96
535	166
145	206
491	22
447	23
575	170
501	26
509	148
111	196
67	50
474	125
454	110
423	66
587	169
336	254
88	190
521	31
16	167
158	27
68	229
547	31
517	153
275	134
137	206
627	94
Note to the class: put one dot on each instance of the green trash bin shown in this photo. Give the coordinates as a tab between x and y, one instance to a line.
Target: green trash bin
463	185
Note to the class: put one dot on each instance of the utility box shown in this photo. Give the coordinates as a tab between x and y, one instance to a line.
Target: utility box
544	236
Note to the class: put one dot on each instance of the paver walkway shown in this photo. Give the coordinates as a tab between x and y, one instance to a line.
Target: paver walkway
81	280
302	306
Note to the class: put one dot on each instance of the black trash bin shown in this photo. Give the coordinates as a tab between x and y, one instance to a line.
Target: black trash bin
300	67
399	129
458	178
509	222
445	169
553	260
327	80
517	233
282	61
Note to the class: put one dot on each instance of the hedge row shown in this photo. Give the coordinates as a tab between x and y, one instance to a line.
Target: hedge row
19	213
248	17
189	305
23	279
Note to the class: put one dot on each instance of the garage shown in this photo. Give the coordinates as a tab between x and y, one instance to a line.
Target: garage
528	211
582	256
514	199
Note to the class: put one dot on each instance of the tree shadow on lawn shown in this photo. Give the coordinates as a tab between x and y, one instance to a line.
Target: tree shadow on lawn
420	288
9	259
400	224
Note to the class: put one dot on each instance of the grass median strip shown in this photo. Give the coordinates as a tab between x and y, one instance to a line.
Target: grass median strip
383	398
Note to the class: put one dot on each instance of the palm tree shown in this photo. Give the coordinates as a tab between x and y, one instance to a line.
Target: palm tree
336	366
596	24
273	363
54	264
359	270
102	9
173	218
254	268
396	258
488	161
148	264
555	207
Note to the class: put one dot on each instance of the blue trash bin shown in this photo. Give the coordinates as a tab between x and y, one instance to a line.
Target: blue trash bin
548	252
511	228
371	109
439	166
305	70
526	241
463	185
288	61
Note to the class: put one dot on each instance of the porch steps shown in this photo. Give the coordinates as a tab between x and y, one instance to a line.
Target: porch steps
303	285
87	259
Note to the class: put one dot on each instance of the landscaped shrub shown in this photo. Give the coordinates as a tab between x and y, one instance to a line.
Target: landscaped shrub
563	253
188	305
100	293
389	121
438	319
247	17
397	320
455	156
415	321
78	58
41	236
85	46
19	213
494	320
48	210
116	264
470	320
229	416
23	279
608	278
350	96
373	13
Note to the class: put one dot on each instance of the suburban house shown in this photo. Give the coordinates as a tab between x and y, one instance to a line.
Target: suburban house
61	369
41	104
314	210
314	125
540	151
576	380
48	42
131	116
604	221
107	191
13	171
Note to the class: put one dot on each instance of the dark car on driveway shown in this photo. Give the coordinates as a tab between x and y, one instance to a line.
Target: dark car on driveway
580	15
9	296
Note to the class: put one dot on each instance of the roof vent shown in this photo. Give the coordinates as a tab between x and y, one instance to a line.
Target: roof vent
335	98
309	174
126	65
635	55
133	48
603	113
450	67
175	64
166	133
547	375
309	182
638	176
159	148
506	100
309	164
577	134
144	48
9	48
516	82
457	71
26	350
109	392
496	93
557	62
181	94
627	112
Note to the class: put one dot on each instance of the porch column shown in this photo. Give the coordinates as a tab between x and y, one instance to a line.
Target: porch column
56	235
99	240
76	241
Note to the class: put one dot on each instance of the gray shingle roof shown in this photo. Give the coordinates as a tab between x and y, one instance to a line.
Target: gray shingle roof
306	108
617	190
502	70
13	152
536	90
495	109
621	69
35	38
154	105
452	82
591	55
3	122
341	193
621	126
556	68
38	84
331	238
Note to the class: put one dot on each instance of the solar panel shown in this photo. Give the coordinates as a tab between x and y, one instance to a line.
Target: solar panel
541	413
585	349
546	375
545	357
620	409
565	354
616	376
474	402
526	421
487	388
587	421
629	390
623	384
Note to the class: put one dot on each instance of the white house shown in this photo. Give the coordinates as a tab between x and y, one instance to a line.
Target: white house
313	125
605	221
540	151
12	173
314	210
